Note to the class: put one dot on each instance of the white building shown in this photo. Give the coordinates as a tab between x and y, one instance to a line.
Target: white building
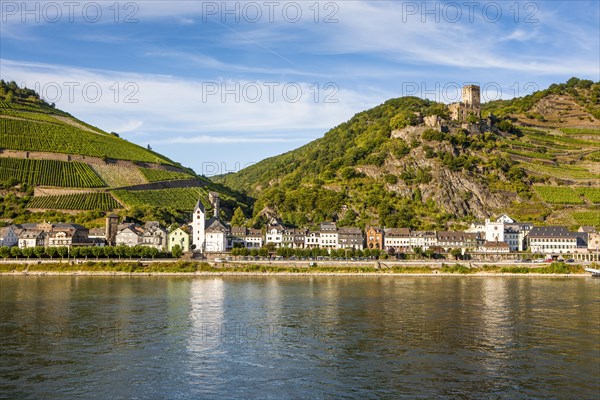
397	240
503	229
423	239
216	236
312	239
275	235
328	238
254	239
552	240
198	227
31	238
241	236
129	234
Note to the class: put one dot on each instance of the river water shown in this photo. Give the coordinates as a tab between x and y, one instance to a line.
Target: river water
299	337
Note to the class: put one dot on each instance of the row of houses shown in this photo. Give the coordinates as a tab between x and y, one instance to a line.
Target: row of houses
504	235
46	234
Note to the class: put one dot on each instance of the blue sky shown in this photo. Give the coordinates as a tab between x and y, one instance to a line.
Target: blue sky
220	85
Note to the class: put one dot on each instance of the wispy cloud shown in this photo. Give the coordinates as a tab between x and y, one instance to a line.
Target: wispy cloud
204	139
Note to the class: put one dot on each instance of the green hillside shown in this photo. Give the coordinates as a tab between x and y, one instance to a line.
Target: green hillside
47	157
383	166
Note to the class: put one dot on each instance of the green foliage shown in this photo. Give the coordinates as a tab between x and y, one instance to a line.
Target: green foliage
176	251
505	126
49	173
177	198
78	201
159	175
433	135
63	138
590	193
238	219
456	269
585	92
558	195
590	218
581	131
403	119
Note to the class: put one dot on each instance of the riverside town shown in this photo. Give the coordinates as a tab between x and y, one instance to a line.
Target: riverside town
212	238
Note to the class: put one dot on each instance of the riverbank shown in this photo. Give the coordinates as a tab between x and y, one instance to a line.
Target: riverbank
192	268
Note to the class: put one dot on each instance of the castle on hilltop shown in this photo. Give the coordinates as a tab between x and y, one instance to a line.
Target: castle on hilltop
470	104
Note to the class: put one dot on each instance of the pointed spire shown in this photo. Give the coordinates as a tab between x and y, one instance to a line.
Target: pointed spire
200	206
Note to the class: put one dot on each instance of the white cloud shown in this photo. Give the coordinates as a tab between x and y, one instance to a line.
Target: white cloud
206	139
150	105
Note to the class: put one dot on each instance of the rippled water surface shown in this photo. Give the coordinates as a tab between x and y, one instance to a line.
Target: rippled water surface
299	337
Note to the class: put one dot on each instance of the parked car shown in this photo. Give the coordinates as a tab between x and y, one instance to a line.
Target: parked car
527	260
570	260
548	260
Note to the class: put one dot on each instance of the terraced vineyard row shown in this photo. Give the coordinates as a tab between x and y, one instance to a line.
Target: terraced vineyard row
561	171
178	198
159	175
589	218
118	175
78	201
590	193
580	131
39	136
558	195
35	116
49	173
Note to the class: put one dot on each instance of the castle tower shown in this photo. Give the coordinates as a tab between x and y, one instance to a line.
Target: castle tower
111	228
198	225
215	200
471	96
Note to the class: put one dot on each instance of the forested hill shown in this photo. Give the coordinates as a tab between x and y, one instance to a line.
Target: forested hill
538	160
56	167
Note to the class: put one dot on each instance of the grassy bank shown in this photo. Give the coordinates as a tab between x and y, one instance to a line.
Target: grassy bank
189	267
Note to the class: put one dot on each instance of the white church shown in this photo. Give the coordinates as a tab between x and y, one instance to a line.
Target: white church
209	236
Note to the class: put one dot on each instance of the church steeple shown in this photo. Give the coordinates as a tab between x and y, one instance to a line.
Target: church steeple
198	226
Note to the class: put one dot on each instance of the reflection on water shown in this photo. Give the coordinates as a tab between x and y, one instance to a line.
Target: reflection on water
299	337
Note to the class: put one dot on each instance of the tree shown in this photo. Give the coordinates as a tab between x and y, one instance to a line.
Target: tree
62	251
153	252
176	251
4	252
96	251
108	251
120	250
27	252
15	252
51	252
39	251
238	219
76	252
403	119
263	252
418	251
456	253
